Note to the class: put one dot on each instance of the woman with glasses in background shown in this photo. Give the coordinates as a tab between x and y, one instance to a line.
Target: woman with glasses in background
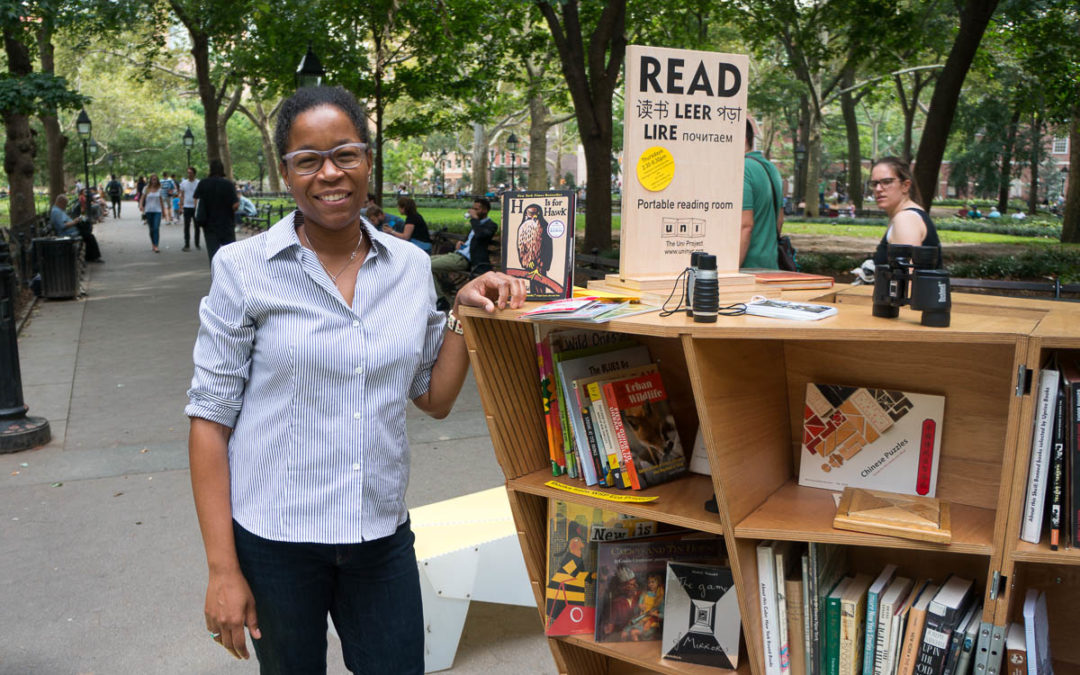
313	339
898	195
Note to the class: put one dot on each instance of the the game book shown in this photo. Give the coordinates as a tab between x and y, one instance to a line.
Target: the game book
538	241
881	439
701	616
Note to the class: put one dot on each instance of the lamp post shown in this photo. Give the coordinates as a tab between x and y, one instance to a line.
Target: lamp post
442	168
83	126
310	72
800	157
189	141
93	153
261	159
512	143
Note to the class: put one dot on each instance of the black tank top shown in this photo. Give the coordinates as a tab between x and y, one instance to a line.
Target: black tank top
881	255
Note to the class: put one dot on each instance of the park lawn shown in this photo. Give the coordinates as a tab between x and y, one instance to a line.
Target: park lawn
41	205
946	236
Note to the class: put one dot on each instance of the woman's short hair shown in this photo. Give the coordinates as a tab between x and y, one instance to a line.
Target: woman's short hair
407	204
307	98
903	171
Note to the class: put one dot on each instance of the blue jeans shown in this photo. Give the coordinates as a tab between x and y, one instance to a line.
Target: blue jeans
371	591
153	221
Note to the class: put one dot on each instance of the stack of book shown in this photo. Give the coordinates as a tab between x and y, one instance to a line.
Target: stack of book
1027	642
606	410
819	619
1053	485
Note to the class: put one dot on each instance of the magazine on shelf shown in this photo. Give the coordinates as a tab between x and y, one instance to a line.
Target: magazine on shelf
880	439
788	309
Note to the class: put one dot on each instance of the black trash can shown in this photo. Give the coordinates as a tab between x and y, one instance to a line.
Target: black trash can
58	263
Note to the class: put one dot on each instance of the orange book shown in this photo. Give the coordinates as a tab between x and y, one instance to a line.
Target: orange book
909	651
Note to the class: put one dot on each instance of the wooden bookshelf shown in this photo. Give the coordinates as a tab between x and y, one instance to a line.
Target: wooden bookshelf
742	382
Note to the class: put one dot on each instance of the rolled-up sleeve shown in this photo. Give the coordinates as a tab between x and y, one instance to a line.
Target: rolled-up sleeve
433	339
223	347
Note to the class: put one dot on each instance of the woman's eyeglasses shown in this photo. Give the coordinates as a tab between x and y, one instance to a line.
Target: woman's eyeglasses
884	182
307	162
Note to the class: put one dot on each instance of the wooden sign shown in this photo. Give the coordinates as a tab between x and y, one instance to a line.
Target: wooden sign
683	145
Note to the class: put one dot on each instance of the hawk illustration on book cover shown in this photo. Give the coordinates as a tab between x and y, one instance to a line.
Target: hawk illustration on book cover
538	243
871	438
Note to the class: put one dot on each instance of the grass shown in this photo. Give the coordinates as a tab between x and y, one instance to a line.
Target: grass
41	204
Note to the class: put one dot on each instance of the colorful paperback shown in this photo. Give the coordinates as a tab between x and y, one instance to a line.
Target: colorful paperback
701	616
879	439
574	531
631	579
538	241
644	426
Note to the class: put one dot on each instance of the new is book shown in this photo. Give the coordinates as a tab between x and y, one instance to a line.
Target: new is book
881	439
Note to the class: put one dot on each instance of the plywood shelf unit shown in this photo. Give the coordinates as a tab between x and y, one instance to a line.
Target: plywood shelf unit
742	382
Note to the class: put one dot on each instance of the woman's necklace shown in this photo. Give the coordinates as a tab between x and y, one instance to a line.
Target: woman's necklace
352	256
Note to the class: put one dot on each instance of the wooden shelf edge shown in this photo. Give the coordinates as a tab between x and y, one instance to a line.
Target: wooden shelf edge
647	655
681	501
1041	553
796	513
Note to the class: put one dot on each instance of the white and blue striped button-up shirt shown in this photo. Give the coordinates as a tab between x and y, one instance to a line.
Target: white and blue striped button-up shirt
315	390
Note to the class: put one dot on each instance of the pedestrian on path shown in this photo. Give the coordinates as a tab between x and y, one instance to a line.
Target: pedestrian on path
115	191
140	186
220	203
168	191
300	492
151	207
187	200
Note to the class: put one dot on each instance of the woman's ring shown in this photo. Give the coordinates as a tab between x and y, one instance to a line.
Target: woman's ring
213	634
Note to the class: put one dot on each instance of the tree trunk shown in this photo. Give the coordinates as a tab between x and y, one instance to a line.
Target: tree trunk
55	142
223	129
538	127
268	147
1070	228
813	165
1036	157
1006	163
598	194
854	151
479	160
19	146
200	50
804	140
974	18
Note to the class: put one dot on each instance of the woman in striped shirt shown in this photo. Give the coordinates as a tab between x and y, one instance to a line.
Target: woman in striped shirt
313	339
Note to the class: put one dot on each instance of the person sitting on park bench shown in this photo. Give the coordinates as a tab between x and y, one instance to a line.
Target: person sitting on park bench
471	255
58	218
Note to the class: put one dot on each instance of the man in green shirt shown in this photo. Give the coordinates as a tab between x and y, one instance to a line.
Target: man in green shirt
762	215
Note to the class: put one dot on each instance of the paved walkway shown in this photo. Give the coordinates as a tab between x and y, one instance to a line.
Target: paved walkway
102	567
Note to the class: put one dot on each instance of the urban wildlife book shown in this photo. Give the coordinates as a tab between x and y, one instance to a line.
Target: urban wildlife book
538	241
701	616
880	439
574	532
649	443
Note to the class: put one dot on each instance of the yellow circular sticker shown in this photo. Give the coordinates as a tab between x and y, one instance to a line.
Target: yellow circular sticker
655	169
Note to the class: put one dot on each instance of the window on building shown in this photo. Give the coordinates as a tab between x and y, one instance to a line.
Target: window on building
1061	146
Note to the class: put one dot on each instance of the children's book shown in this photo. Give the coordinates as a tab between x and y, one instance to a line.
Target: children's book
589	391
574	532
631	580
879	439
701	616
538	241
649	443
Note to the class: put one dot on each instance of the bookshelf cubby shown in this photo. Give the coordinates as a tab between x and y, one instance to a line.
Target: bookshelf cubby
742	382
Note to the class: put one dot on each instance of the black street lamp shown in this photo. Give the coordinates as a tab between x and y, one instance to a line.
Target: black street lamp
261	159
18	431
189	141
512	143
310	72
442	168
93	153
83	126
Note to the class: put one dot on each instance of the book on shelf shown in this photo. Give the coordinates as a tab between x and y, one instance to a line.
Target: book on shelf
590	394
793	594
808	622
878	439
873	600
767	585
909	646
1070	381
644	426
832	626
891	601
788	309
1057	468
852	624
631	578
1036	633
788	280
699	456
570	366
1038	467
538	241
967	649
943	614
900	622
784	554
701	616
1016	649
548	401
574	532
956	644
828	565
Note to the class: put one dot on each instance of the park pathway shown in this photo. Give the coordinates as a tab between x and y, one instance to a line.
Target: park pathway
101	567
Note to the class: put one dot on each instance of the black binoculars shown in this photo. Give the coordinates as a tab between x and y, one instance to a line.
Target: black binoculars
915	267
